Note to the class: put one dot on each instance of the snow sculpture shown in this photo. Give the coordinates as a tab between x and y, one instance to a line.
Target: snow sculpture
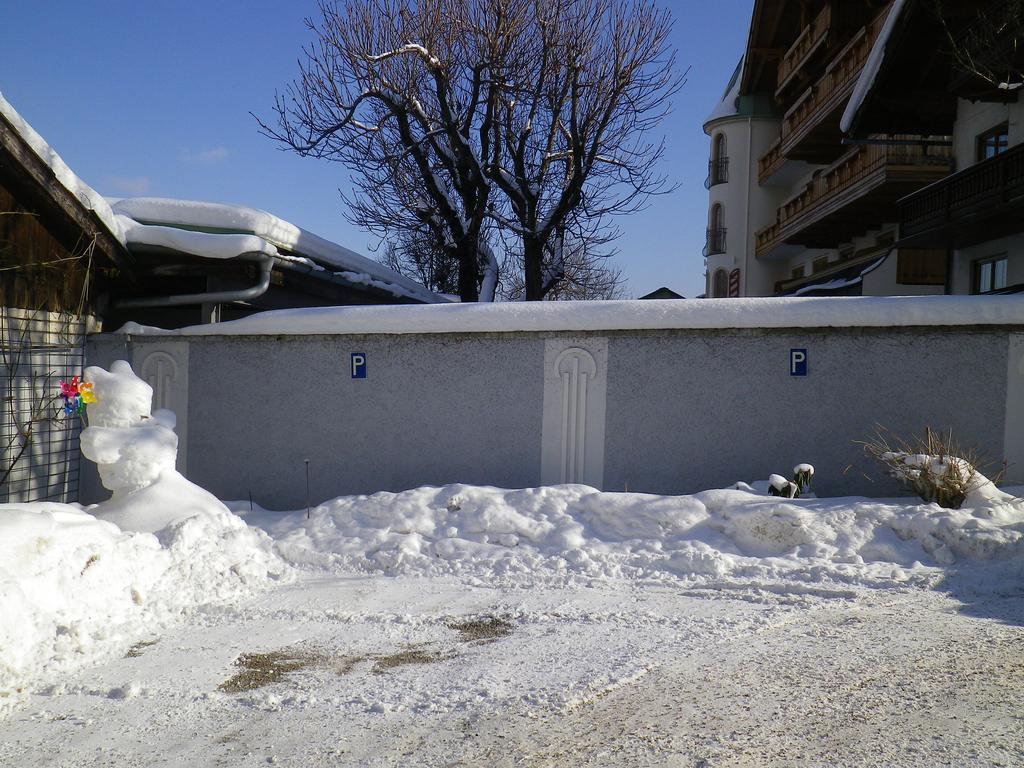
135	452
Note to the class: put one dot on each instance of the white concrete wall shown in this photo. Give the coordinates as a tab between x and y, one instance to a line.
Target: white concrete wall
660	411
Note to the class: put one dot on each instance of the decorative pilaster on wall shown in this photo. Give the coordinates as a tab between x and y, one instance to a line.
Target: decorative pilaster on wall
575	391
164	366
1013	440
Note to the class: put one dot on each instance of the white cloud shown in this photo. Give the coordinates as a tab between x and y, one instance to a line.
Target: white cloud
130	185
204	156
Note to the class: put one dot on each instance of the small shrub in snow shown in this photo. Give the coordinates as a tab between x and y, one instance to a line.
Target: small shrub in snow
780	486
935	466
791	489
802	474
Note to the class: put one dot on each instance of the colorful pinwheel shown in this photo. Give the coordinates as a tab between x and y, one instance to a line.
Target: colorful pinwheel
75	395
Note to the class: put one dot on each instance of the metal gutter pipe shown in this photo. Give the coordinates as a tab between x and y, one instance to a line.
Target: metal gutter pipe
265	261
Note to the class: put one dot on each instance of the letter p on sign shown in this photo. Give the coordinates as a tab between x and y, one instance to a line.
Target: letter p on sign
358	365
798	362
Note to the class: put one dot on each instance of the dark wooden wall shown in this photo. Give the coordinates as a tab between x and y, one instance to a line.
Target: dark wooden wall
37	270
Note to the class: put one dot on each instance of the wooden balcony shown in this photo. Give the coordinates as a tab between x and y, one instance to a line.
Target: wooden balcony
855	194
770	162
810	127
807	46
982	202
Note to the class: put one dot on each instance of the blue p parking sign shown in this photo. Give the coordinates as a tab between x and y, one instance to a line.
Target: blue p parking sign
798	362
358	365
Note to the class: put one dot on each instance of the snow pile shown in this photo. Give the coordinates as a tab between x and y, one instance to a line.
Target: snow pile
573	532
77	586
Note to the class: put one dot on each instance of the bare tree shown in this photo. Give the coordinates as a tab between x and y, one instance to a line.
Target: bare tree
590	80
417	255
401	92
528	114
585	276
986	39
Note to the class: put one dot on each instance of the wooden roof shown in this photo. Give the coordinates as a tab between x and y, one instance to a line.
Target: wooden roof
36	186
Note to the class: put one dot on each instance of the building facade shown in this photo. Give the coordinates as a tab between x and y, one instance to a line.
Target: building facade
970	90
805	208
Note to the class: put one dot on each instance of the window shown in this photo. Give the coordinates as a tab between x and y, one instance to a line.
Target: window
718	165
716	231
721	287
817	265
990	274
994	141
798	272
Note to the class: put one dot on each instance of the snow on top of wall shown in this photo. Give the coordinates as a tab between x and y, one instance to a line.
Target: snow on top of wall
727	106
273	232
88	197
871	67
803	312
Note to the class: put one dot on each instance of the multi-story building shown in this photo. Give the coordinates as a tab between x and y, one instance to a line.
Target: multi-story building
961	75
797	206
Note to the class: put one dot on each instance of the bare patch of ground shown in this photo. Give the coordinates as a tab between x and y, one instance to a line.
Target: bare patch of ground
260	669
488	629
405	658
136	650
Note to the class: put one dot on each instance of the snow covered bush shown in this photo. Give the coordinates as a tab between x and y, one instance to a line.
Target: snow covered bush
935	466
802	475
791	489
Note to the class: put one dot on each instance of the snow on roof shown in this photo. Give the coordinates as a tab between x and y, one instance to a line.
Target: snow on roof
839	282
727	106
267	233
557	316
871	67
85	194
205	244
229	230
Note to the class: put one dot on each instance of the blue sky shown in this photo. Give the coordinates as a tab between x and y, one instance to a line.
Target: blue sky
154	99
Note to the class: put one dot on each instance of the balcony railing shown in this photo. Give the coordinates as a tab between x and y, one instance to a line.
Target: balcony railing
767	238
852	176
715	242
833	88
986	190
810	40
770	161
718	172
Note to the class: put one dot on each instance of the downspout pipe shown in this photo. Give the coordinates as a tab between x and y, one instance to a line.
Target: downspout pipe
265	261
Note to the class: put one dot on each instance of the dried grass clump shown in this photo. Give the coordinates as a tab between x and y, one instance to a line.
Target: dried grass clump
936	467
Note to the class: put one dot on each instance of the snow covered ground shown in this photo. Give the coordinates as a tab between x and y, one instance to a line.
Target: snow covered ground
559	626
467	626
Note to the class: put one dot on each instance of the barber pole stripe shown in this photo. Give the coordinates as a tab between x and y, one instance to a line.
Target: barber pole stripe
734	284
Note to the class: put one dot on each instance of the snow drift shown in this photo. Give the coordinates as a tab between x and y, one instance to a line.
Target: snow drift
77	586
573	532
